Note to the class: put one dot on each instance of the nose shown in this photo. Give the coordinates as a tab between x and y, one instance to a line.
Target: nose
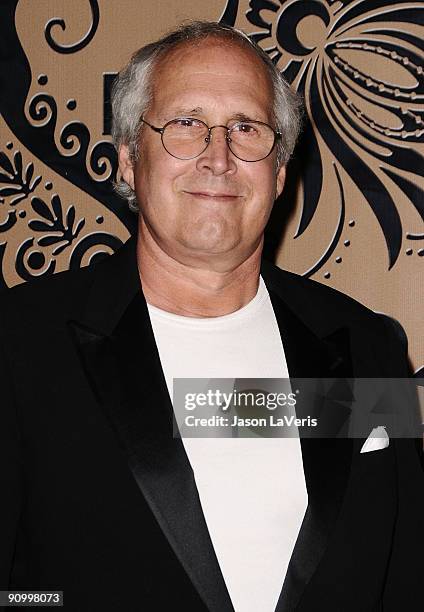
217	157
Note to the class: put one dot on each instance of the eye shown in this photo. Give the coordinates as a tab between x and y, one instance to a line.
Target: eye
187	122
245	128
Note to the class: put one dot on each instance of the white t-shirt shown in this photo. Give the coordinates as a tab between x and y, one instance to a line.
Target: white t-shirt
252	491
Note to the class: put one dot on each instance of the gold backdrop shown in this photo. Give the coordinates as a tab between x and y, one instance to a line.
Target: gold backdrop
352	213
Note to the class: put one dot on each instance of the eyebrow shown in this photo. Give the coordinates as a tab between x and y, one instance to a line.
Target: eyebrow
187	112
243	117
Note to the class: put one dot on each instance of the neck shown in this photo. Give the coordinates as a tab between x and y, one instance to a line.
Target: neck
191	290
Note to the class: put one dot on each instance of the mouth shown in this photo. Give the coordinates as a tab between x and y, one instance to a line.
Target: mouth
212	195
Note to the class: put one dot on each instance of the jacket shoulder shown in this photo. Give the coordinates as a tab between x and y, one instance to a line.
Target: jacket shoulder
54	295
326	310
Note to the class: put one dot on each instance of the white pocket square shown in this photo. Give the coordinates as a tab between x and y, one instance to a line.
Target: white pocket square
377	440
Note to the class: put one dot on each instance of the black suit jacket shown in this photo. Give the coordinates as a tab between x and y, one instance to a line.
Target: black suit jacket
99	499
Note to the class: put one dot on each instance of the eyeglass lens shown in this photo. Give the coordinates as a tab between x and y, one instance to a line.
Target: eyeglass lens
188	138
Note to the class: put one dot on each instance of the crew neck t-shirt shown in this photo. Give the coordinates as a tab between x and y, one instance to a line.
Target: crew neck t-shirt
252	490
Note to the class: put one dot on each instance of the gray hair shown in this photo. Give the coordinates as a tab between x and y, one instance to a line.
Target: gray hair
132	91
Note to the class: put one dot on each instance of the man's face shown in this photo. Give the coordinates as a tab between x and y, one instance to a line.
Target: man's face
210	210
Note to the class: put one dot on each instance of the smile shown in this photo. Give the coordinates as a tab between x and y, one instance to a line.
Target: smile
208	195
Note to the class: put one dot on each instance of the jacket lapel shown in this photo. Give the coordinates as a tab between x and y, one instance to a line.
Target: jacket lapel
326	460
120	358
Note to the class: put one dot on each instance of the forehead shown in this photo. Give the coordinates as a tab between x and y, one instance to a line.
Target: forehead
211	75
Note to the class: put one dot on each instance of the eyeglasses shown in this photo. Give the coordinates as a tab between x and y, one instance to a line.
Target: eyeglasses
187	138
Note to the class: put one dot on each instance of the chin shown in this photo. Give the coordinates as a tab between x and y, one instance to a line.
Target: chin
211	247
216	232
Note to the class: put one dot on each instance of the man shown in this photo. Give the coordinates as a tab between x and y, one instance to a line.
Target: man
100	499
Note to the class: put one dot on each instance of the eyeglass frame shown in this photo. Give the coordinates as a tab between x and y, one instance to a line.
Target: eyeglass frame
161	130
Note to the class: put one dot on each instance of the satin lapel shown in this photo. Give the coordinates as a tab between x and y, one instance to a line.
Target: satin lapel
326	461
125	373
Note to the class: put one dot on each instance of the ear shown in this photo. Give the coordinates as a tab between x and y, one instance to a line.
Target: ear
281	177
126	167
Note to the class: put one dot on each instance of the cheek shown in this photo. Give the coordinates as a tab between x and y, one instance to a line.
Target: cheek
263	186
262	199
157	195
153	179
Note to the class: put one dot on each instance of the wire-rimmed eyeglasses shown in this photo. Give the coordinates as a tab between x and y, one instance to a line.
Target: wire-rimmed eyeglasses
186	138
